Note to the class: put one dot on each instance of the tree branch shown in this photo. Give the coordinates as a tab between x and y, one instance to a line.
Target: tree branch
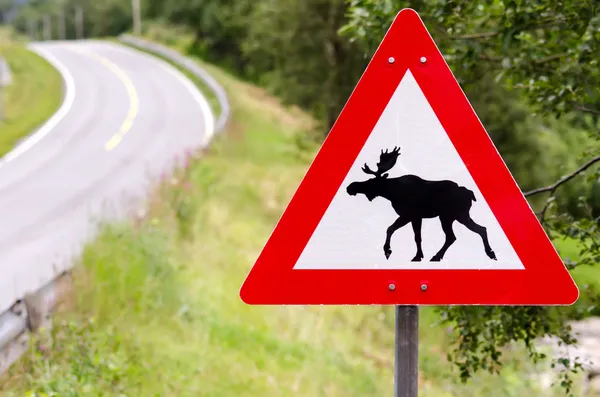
526	27
553	187
475	35
485	57
583	108
547	205
551	57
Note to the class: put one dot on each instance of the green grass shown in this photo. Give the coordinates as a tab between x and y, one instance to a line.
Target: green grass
34	95
570	248
156	308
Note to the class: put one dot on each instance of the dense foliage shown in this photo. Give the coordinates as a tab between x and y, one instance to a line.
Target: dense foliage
529	67
537	56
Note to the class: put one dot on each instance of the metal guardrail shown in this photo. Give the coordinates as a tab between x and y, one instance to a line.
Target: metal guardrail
190	65
27	315
34	310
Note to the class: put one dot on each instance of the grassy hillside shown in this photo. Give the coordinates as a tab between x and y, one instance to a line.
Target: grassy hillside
32	98
156	310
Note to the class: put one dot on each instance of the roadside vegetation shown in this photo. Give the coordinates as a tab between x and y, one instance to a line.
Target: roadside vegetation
34	95
156	311
522	64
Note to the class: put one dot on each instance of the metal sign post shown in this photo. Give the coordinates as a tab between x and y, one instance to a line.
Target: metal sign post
406	371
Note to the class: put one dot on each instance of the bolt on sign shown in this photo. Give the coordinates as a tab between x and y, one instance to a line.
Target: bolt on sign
408	202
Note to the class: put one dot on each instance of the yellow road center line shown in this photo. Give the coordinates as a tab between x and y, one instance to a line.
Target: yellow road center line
134	102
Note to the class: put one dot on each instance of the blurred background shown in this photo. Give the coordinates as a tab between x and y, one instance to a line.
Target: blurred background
156	310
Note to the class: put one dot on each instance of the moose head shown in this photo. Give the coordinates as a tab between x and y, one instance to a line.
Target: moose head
372	188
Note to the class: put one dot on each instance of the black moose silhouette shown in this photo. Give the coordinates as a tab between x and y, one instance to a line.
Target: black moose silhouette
415	199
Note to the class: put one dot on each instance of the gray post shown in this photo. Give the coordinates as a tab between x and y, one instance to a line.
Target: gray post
137	17
62	28
406	376
5	79
34	29
47	27
79	22
31	29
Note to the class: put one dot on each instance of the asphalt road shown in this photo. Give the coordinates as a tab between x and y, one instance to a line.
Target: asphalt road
126	117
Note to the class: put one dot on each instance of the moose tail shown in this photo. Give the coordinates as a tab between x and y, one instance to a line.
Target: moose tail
469	193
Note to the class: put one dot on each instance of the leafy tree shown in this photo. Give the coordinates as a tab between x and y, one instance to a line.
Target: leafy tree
6	6
546	52
106	18
297	49
219	27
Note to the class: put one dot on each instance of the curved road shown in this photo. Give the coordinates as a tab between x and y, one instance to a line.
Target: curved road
126	116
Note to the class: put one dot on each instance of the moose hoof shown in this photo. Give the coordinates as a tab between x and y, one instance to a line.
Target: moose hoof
491	254
417	258
387	253
436	258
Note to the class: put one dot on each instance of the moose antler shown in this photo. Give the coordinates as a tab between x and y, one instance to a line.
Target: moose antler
367	170
387	160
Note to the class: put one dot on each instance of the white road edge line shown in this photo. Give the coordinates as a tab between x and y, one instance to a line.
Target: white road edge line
208	116
51	123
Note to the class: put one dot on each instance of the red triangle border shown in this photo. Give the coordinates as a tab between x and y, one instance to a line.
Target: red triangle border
273	281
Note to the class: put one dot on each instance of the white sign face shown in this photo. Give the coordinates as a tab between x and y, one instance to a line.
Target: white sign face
352	233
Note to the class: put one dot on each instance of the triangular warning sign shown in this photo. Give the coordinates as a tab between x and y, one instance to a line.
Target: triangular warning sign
408	201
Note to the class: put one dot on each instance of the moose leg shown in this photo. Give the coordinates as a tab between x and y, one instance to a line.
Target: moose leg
450	238
390	231
416	225
482	231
